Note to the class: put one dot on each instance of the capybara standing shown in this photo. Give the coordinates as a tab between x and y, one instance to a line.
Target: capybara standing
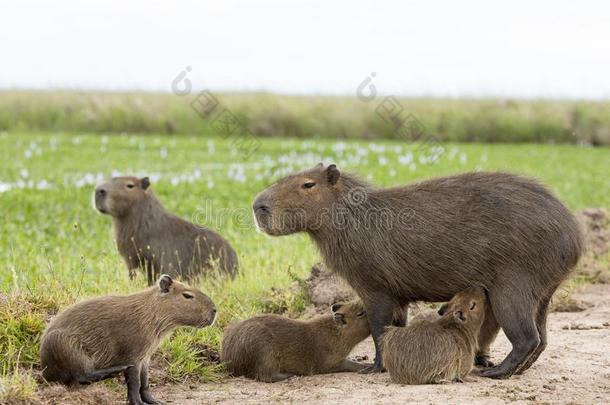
272	348
97	338
150	238
428	241
437	351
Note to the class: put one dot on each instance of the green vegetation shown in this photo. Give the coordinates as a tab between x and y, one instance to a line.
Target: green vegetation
267	115
56	250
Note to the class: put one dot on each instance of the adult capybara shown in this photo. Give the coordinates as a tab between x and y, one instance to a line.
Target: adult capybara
150	238
97	338
272	348
430	240
429	352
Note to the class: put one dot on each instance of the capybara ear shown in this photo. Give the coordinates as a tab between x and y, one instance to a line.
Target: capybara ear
165	283
335	307
459	316
443	309
145	181
332	174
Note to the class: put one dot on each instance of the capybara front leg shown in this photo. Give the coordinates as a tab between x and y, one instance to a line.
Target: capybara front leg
132	379
515	311
145	393
489	331
380	311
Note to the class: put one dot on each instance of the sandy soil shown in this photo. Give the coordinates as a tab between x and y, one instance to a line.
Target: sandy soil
575	368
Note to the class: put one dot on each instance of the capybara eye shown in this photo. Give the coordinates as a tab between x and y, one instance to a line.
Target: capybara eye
474	304
188	296
309	184
360	314
130	185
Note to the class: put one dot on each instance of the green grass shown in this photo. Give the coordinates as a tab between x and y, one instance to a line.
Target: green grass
56	249
268	115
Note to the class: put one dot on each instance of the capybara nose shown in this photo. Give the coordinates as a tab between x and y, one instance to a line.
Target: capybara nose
100	192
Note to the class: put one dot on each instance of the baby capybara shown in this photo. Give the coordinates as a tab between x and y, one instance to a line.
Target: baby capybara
430	240
98	338
429	352
271	348
150	238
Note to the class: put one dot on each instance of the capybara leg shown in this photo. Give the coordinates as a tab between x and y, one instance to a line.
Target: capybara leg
64	361
132	379
515	310
102	374
380	312
347	366
401	315
145	393
279	377
541	315
488	333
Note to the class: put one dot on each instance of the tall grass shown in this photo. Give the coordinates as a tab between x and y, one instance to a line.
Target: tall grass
467	120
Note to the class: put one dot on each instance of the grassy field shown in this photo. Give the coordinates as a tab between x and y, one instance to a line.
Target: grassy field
55	249
269	115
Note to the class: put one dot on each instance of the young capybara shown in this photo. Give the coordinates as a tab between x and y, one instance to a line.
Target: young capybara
429	240
271	348
150	238
429	352
100	337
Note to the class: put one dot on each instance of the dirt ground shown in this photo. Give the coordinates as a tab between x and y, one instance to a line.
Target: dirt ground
574	369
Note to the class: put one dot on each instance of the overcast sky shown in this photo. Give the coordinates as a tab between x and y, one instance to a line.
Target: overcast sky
544	48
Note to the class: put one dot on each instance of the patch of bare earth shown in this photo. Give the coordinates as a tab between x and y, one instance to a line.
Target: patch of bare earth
574	368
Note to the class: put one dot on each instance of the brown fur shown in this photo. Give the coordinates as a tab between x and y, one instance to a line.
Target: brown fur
437	351
271	348
97	338
429	240
150	238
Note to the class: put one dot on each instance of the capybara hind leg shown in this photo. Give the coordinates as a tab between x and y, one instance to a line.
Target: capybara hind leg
541	315
347	366
102	374
515	310
132	379
489	331
64	361
380	311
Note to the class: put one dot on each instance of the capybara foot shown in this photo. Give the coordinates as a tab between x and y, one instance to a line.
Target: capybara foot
148	398
497	372
279	377
374	368
483	360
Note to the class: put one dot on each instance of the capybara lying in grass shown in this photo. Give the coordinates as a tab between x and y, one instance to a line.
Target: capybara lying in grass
272	348
430	240
150	238
437	351
95	339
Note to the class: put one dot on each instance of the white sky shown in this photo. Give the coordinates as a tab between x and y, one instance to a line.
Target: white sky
516	48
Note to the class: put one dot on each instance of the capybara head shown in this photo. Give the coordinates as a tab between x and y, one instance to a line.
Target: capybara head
182	305
117	196
467	307
351	318
299	201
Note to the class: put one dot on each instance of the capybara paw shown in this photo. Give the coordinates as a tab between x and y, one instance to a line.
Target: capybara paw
483	360
495	372
373	368
147	398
